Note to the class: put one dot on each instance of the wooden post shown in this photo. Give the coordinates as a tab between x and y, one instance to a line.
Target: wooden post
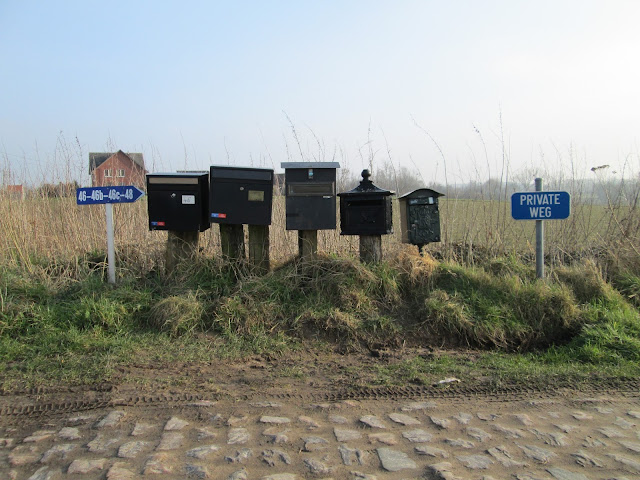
232	241
259	247
370	248
307	243
180	246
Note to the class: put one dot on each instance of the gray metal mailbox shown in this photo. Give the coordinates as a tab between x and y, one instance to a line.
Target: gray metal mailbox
310	191
420	216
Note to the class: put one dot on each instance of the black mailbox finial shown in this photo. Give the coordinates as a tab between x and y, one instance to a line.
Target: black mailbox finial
366	184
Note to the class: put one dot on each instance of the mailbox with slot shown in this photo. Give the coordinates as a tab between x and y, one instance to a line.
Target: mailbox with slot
178	201
366	210
420	217
310	190
240	195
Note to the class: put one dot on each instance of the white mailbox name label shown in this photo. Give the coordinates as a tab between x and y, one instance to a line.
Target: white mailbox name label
188	199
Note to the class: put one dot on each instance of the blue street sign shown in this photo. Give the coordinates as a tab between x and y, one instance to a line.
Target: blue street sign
540	205
115	194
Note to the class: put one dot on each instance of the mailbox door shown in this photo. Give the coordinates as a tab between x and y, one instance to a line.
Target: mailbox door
174	207
364	217
423	221
240	195
239	203
311	206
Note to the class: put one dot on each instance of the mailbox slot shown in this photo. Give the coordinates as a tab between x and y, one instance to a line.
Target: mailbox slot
310	189
178	201
240	195
422	201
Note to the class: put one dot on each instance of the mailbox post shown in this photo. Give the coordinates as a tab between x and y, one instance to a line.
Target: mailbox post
366	211
178	203
242	195
310	191
420	217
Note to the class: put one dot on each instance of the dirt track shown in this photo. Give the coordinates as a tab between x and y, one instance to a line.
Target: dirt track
251	420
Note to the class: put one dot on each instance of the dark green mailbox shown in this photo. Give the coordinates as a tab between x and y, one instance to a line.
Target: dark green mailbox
420	217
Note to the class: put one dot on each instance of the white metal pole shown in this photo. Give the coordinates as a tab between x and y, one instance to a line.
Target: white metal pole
111	252
539	239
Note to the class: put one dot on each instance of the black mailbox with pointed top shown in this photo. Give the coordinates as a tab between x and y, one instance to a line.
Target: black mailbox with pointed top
310	190
240	195
366	210
420	216
178	201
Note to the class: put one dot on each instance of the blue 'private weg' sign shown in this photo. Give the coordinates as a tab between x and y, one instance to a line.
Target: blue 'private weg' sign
540	205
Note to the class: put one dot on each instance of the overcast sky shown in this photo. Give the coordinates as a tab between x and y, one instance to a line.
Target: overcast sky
431	84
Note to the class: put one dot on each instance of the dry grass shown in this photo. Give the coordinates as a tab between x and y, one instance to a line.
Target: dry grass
56	228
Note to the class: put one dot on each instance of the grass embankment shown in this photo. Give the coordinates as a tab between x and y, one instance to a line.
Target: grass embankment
62	323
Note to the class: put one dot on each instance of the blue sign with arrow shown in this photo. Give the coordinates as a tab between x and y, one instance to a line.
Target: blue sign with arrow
115	194
540	205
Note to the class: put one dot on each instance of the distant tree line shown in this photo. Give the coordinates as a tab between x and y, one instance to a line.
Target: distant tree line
617	192
53	190
400	179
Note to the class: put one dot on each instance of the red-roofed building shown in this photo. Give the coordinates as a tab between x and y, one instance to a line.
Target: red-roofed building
117	168
15	191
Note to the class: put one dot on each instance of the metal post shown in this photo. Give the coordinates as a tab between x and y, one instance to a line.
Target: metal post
539	239
111	251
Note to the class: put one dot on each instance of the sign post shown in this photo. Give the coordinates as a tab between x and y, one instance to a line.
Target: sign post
540	206
111	250
108	196
539	239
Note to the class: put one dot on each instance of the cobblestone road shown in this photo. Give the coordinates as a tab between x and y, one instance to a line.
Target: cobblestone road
561	438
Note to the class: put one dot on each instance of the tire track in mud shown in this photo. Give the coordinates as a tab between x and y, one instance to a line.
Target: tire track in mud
106	396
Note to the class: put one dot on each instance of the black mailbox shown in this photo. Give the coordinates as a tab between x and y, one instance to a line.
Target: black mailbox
178	201
241	195
310	190
420	217
365	210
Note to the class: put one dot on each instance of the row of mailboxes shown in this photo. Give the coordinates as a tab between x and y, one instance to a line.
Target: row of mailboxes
233	195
